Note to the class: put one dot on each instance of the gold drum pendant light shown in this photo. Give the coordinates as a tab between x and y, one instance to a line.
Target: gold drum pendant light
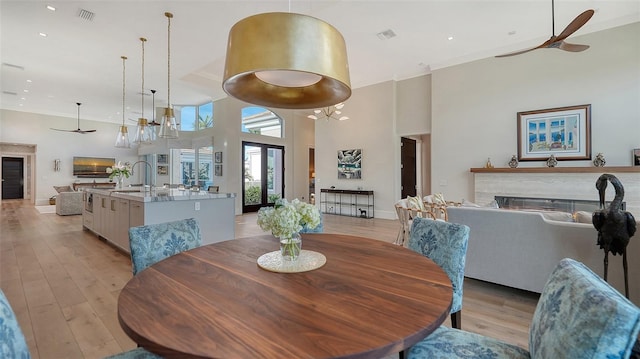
143	130
286	60
122	139
168	127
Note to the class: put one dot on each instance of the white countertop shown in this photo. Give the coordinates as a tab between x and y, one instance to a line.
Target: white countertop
159	194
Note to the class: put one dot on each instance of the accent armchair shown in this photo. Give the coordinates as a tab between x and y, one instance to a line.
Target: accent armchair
578	315
69	203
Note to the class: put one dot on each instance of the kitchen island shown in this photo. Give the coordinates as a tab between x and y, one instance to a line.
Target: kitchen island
110	213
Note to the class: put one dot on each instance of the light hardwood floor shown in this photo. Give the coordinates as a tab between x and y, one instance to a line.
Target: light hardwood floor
63	283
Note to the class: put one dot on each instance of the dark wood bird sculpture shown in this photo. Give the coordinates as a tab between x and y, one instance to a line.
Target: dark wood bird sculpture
615	227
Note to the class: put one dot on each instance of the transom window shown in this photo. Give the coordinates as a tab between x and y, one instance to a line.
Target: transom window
194	118
261	121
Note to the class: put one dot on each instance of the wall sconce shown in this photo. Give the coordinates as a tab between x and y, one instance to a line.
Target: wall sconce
56	165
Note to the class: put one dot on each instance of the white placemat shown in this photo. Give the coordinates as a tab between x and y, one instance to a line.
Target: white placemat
307	261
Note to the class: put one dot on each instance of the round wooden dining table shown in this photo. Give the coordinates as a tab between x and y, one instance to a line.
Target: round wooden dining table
369	300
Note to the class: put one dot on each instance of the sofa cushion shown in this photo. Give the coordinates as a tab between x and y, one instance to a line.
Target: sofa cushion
558	216
583	217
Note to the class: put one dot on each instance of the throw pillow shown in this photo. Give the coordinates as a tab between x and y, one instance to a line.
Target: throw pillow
61	189
415	202
558	216
583	217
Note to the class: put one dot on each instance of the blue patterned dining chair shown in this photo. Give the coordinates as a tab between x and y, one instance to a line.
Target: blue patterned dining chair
578	315
445	243
12	342
137	353
319	228
154	242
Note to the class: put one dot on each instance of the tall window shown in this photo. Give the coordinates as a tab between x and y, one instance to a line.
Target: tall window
261	121
194	118
196	167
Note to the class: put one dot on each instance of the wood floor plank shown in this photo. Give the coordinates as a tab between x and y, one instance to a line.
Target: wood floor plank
63	283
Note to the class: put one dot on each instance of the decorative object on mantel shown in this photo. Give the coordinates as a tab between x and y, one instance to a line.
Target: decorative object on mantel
563	131
488	164
551	161
514	162
120	171
615	227
285	220
599	161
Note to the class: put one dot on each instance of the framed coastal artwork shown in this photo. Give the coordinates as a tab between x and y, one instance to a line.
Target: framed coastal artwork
350	164
218	157
564	132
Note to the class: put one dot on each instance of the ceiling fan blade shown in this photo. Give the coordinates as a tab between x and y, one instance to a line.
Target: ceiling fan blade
85	131
572	47
575	25
517	52
57	129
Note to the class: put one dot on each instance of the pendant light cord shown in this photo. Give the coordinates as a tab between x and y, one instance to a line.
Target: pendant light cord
124	58
142	39
169	16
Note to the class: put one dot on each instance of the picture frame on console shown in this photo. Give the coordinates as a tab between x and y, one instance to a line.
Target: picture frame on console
564	132
636	156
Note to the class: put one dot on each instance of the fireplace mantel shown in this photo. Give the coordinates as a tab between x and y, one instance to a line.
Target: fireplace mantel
555	182
610	169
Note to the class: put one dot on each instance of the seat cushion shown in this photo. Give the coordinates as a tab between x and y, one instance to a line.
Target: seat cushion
12	342
579	315
447	343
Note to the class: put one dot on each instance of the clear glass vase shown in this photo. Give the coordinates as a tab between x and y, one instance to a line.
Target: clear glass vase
290	247
120	181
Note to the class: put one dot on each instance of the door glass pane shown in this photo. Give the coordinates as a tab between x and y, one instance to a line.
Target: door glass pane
274	174
188	167
205	167
252	175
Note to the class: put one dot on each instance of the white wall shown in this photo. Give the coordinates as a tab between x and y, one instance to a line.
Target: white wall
475	104
30	128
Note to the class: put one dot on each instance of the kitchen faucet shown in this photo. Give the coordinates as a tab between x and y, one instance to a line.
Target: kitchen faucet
150	170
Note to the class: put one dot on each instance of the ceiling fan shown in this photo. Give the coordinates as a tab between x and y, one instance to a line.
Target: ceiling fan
557	42
78	130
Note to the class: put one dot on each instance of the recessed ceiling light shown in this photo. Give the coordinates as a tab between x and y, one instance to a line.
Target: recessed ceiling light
23	98
25	90
512	32
29	81
42	34
21	105
450	38
51	8
386	34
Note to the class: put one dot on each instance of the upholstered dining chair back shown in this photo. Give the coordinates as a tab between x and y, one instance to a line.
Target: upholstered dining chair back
318	229
154	242
578	315
12	342
446	244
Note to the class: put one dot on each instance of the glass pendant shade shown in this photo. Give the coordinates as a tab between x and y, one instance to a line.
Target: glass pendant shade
169	127
286	60
143	131
122	138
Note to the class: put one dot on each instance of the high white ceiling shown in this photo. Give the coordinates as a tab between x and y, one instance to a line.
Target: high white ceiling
79	60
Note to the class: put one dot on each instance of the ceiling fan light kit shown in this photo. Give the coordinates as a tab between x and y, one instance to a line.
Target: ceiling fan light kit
557	42
169	127
286	60
122	138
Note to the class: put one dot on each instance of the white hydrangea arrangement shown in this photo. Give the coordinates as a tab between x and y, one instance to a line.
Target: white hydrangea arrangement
286	218
119	170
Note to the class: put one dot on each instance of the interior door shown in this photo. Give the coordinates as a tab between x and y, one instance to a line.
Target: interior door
263	175
12	177
408	167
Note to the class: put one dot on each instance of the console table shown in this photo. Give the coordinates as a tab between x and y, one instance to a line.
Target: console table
77	185
345	202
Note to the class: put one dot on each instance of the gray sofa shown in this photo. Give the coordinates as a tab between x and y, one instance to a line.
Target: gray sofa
519	249
69	203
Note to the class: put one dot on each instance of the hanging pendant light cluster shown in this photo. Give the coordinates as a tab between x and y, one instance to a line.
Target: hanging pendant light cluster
122	139
331	112
286	60
168	127
143	130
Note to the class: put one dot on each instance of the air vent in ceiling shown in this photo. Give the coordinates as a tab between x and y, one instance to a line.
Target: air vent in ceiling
9	93
86	14
12	66
386	34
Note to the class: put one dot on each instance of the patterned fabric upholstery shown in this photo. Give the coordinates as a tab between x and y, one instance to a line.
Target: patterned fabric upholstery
319	228
12	342
446	244
578	316
154	242
137	353
448	343
581	316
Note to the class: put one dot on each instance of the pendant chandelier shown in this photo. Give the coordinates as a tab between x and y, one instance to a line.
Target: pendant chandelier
331	112
168	127
286	60
122	139
143	130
